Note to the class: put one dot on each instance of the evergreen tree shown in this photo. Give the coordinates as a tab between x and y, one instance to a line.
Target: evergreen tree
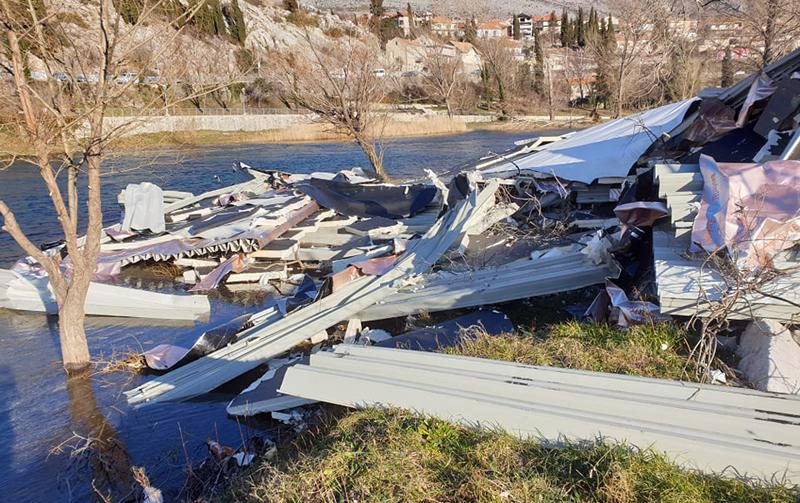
174	12
128	10
471	31
291	5
235	18
726	79
591	25
486	85
580	36
515	28
602	87
217	17
565	29
376	12
538	63
376	7
410	14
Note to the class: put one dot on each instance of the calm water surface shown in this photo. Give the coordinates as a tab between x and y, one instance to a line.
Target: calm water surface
40	410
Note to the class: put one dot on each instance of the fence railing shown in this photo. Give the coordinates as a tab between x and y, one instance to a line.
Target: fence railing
237	110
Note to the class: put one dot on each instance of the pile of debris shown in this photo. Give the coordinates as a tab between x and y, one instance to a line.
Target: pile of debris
694	207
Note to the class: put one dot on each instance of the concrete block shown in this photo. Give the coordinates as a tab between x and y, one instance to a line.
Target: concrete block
770	357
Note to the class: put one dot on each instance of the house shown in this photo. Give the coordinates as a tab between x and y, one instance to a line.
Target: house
684	27
515	47
492	29
424	18
525	26
402	22
547	24
445	27
580	88
407	55
470	59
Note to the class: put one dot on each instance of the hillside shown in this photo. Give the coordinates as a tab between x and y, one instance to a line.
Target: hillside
195	55
506	8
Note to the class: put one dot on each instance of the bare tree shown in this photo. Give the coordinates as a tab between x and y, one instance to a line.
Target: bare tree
579	68
499	69
636	54
442	76
337	81
64	124
769	28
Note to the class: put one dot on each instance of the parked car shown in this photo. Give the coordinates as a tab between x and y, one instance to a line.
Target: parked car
409	75
151	79
92	78
379	72
37	75
125	78
60	77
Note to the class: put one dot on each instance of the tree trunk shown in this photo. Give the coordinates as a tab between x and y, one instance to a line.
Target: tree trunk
449	108
374	159
769	32
71	332
618	104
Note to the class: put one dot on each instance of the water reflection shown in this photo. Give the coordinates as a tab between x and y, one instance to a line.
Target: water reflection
6	424
98	456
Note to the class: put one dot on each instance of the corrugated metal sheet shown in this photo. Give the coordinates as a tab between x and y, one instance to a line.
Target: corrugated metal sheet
20	293
689	283
205	374
705	427
518	280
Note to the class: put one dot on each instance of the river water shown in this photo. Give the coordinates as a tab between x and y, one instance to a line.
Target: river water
45	419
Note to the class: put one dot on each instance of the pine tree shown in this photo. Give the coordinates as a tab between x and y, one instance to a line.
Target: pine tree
580	36
471	31
376	7
291	5
591	25
538	63
565	29
235	18
726	79
217	17
376	12
410	14
516	29
128	10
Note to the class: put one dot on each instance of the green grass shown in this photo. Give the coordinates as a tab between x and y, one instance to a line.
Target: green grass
648	350
376	455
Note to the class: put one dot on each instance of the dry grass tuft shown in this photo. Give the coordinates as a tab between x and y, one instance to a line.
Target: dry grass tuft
130	361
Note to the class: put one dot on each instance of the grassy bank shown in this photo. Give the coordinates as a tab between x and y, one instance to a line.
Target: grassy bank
377	455
12	145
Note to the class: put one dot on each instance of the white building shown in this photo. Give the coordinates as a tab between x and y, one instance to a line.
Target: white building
492	29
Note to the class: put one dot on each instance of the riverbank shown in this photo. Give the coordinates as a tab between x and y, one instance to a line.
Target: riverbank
12	145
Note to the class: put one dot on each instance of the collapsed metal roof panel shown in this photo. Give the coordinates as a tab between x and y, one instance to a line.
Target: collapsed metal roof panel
205	374
518	280
21	293
606	150
697	425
